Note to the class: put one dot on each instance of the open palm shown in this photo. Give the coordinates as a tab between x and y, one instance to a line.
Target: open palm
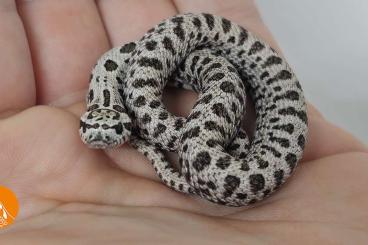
68	192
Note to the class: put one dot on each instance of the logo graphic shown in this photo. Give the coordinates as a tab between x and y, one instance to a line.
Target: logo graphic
8	207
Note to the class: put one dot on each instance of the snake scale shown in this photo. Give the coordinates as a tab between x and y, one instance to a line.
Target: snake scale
223	62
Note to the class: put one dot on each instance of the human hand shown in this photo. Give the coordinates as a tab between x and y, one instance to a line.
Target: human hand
68	192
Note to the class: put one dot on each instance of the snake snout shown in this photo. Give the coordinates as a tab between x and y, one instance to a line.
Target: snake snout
103	128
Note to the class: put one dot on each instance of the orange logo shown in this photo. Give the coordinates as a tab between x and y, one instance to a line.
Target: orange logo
8	206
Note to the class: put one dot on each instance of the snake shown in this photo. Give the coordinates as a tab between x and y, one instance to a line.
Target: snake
224	63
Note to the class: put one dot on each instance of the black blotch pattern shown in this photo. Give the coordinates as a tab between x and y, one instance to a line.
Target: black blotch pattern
154	104
282	141
257	182
291	160
202	160
244	166
232	69
193	115
226	25
179	32
211	185
243	36
277	88
264	75
168	45
128	126
194	63
151	45
118	108
90	95
210	68
206	99
201	181
192	133
179	123
262	164
93	107
279	176
146	118
293	112
110	65
233	146
255	48
209	20
177	20
210	125
289	95
118	128
211	142
139	101
163	115
274	119
141	83
206	60
172	142
150	62
231	39
227	87
297	83
196	22
127	48
240	53
285	127
217	76
223	162
284	75
301	141
159	129
241	196
253	65
106	96
272	60
216	37
231	183
220	110
199	36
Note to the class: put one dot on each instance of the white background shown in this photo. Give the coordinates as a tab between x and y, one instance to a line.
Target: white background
326	42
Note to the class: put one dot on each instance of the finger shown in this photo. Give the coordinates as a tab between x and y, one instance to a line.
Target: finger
17	88
128	20
66	38
326	139
242	12
73	173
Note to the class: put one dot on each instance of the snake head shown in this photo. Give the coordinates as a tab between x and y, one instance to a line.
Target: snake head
105	128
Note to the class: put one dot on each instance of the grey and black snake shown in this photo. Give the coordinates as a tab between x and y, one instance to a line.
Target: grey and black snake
222	62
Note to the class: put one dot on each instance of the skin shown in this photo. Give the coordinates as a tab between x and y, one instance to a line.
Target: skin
69	193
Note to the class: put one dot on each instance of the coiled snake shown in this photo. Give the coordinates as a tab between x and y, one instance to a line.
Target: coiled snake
221	61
